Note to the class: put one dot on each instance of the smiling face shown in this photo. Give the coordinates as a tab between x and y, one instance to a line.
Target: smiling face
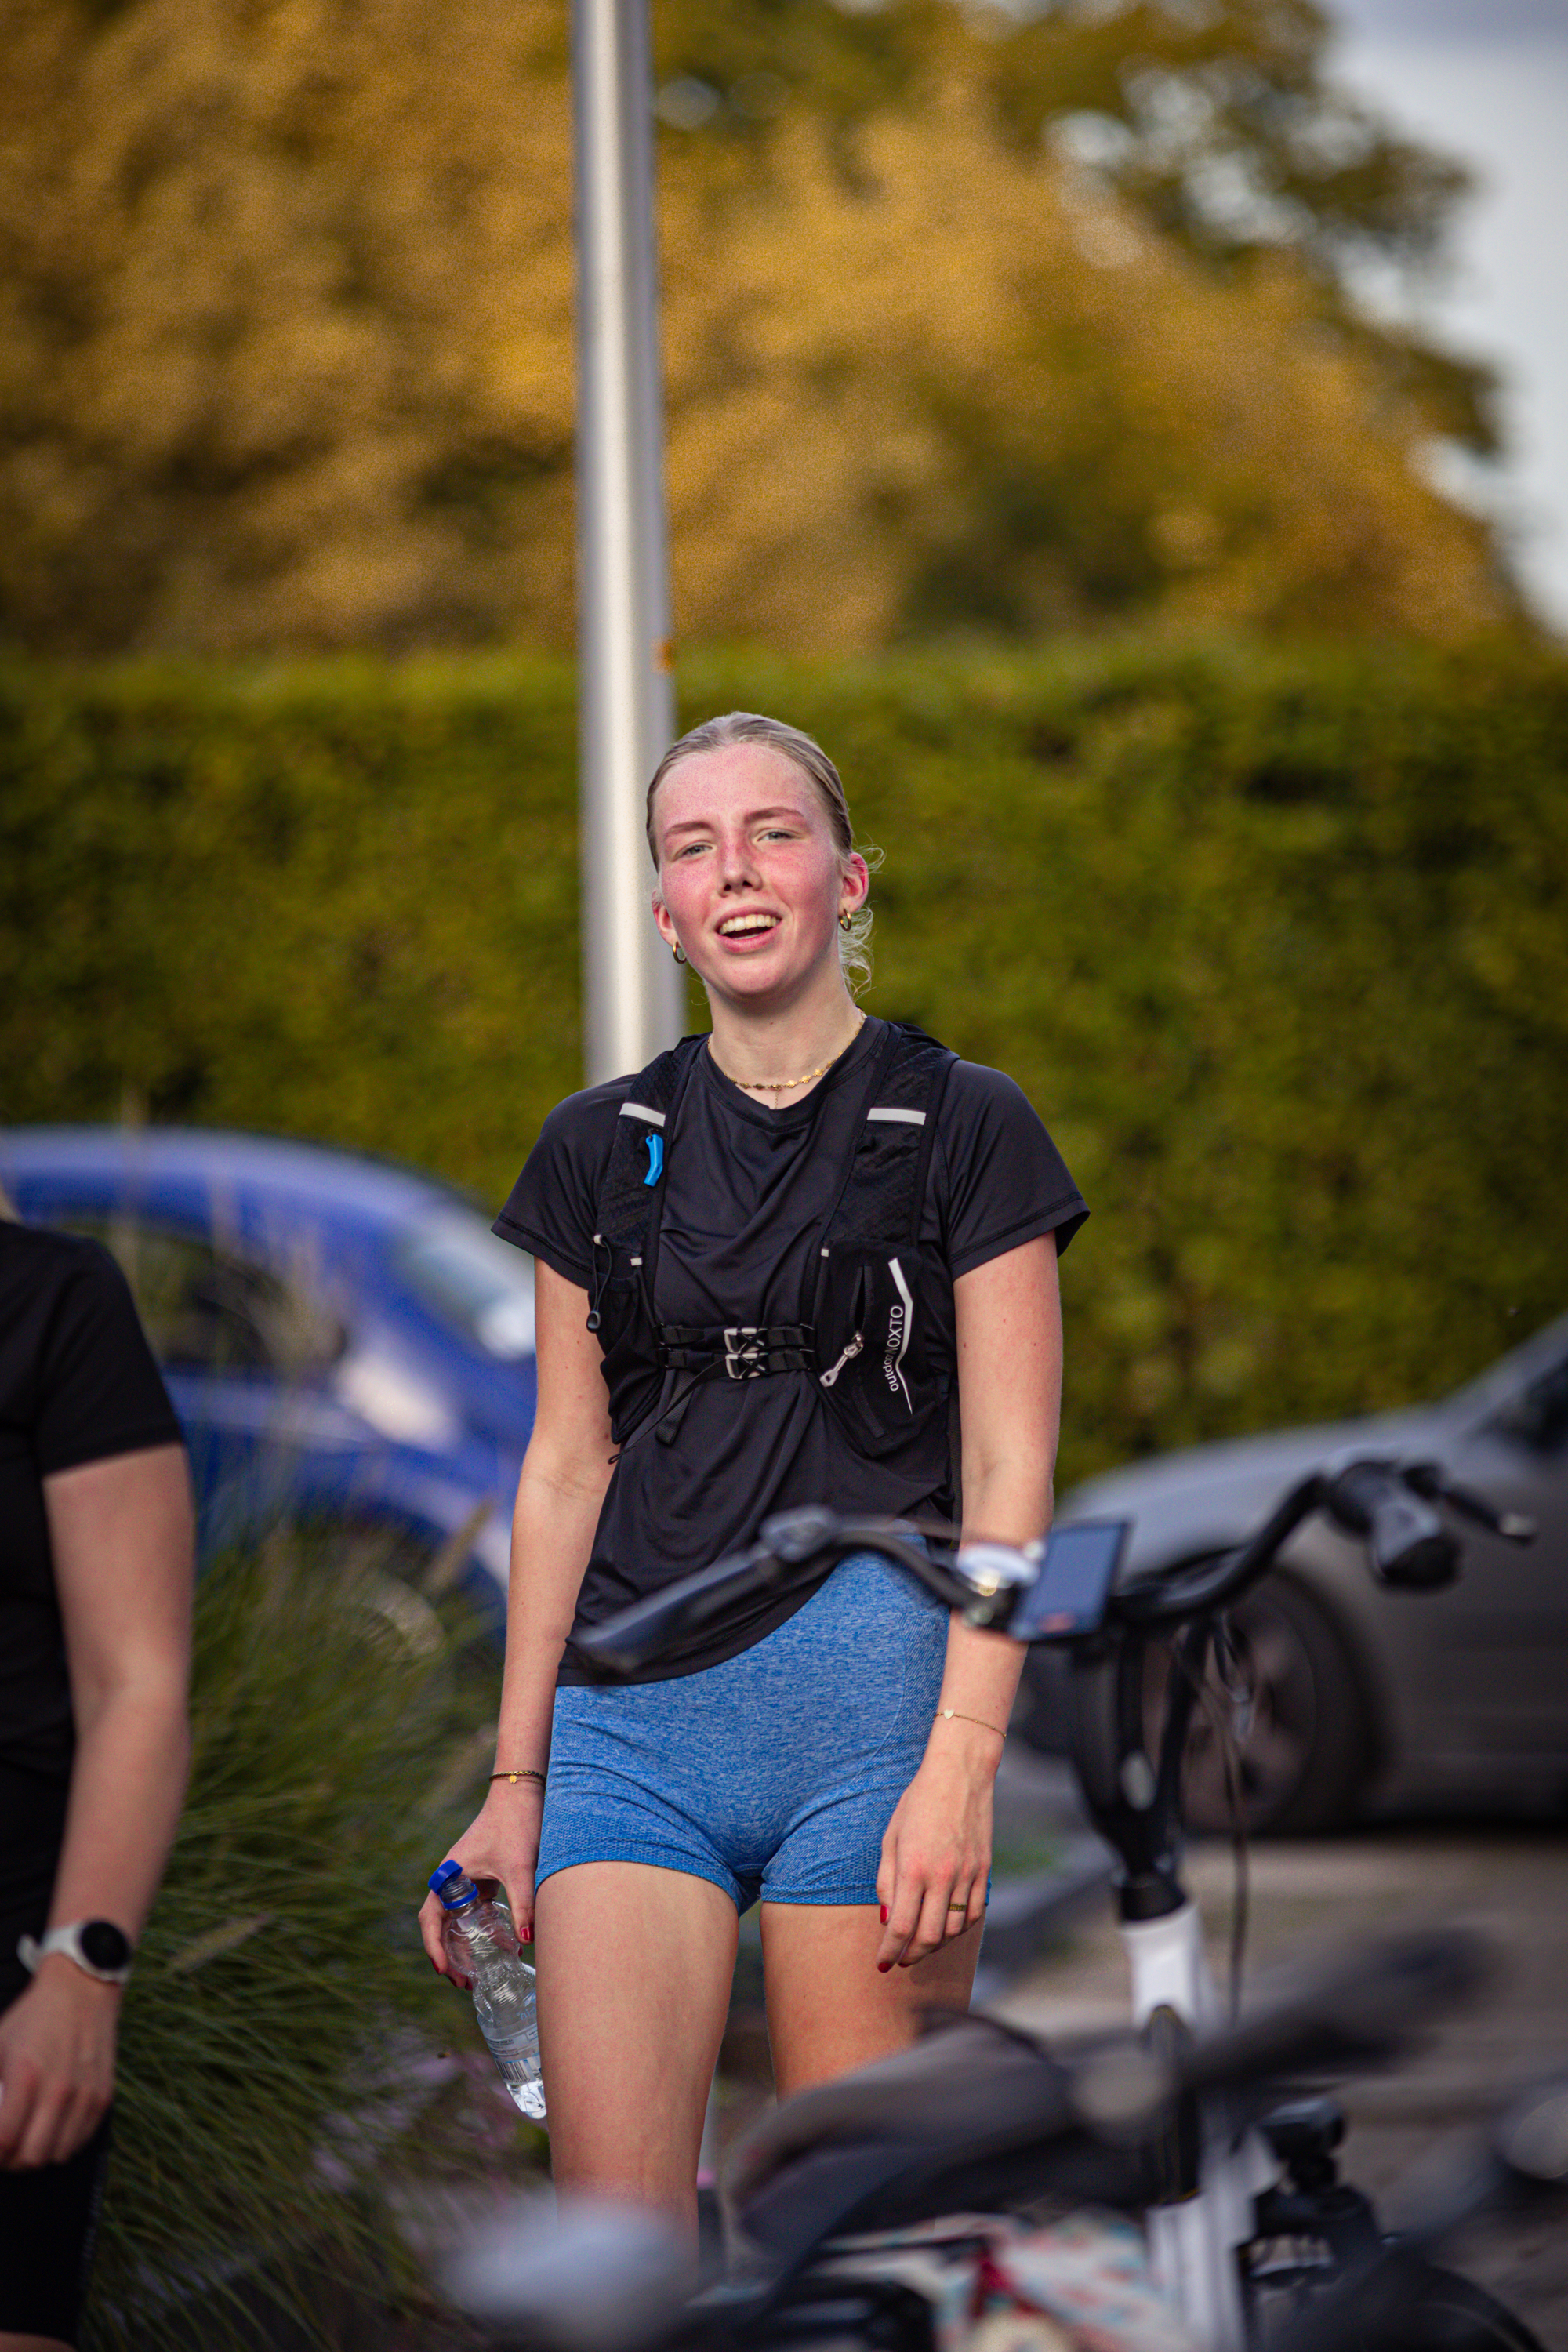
751	879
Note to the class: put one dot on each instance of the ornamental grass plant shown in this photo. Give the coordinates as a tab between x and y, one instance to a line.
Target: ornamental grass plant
282	2076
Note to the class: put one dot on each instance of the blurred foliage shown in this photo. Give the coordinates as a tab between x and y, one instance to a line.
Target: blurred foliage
280	2054
972	324
1273	936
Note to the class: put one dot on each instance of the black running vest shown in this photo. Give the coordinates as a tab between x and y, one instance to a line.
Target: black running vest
864	1332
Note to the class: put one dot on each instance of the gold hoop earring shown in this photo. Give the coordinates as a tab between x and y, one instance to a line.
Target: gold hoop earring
846	919
675	951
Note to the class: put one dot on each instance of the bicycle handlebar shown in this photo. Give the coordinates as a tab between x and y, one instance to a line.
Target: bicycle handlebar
794	1549
1389	1504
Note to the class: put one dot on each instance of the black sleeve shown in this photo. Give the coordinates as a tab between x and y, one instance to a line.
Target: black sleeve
550	1210
99	1390
999	1180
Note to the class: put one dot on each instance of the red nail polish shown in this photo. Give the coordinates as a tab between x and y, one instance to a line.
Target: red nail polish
884	1914
883	1967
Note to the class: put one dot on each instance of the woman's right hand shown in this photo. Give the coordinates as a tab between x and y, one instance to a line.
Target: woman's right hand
499	1847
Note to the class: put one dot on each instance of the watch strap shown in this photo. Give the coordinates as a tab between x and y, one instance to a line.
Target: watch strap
32	1949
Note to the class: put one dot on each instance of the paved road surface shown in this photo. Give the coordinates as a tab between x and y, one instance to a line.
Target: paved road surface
1509	1882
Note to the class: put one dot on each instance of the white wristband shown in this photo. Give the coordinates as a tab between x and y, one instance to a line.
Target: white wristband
100	1948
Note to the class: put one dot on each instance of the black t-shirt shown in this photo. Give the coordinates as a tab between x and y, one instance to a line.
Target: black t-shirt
78	1383
748	1191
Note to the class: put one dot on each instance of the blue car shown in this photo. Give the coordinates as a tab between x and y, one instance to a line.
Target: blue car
345	1340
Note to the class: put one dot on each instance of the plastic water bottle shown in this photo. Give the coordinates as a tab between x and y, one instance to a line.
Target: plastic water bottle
481	1943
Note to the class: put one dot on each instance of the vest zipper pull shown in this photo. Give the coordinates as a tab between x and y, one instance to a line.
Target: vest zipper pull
856	1344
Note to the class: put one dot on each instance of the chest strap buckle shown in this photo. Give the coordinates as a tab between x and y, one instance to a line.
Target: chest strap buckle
752	1351
743	1351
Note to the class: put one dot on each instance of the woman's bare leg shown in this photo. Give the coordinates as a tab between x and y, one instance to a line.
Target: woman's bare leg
828	2009
635	1968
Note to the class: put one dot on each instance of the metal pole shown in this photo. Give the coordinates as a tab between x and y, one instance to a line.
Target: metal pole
633	998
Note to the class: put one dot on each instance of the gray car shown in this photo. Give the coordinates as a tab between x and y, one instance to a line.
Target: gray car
1363	1696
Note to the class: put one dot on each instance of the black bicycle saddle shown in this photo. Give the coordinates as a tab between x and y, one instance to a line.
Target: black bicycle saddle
974	2117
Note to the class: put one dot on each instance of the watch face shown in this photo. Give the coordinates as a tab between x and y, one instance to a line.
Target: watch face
105	1945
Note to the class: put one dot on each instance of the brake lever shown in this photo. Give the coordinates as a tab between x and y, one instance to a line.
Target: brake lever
794	1536
1426	1478
1406	1542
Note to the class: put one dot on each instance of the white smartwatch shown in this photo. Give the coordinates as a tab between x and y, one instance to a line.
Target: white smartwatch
98	1946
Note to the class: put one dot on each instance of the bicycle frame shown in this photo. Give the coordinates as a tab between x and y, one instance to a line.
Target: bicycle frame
1210	2180
1211	2173
1211	2176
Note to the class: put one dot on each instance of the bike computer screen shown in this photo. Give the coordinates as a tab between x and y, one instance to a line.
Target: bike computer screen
1069	1597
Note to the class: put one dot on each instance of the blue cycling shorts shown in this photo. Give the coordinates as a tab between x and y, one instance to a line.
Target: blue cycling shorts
774	1774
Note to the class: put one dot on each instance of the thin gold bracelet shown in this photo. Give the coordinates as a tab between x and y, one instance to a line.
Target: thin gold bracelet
528	1773
953	1715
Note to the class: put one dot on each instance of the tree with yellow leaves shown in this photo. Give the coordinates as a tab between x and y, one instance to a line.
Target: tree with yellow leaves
288	301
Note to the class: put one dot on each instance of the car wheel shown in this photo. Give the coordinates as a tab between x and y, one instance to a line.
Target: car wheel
1309	1747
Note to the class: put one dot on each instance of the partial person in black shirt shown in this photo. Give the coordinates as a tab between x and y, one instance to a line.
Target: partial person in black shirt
832	1754
95	1596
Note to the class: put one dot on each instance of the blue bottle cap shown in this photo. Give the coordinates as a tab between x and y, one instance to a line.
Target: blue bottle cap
441	1879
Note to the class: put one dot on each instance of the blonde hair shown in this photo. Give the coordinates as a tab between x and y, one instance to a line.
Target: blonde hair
808	756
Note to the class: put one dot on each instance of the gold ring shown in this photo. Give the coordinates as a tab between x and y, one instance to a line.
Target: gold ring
958	1906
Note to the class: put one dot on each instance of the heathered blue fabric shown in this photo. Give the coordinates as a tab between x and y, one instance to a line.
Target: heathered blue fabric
773	1774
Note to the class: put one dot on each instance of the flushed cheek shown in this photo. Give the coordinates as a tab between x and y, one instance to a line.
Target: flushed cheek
683	894
808	900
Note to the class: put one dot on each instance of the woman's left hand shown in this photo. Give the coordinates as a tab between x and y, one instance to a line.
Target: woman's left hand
936	1856
56	2064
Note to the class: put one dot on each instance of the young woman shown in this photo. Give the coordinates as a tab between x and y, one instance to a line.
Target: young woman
833	1756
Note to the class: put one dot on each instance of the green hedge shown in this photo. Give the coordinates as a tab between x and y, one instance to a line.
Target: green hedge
1276	941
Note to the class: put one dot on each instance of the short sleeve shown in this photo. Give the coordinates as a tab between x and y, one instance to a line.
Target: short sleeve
99	1390
550	1210
999	1180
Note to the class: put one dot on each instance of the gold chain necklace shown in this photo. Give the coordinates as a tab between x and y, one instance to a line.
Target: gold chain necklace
781	1085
